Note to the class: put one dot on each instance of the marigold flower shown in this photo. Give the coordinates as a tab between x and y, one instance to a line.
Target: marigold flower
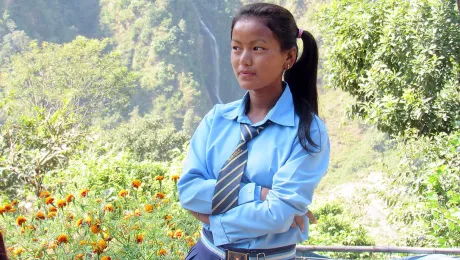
20	220
52	245
168	217
44	194
140	238
175	177
51	214
136	184
148	208
108	207
2	210
49	200
69	198
83	243
84	192
31	227
178	233
137	212
123	193
106	258
162	252
95	228
70	216
79	256
159	178
18	251
61	203
40	215
160	195
62	238
14	203
53	209
100	246
78	222
170	234
7	207
98	200
88	220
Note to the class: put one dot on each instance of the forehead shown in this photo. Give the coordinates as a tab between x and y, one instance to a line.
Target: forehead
249	28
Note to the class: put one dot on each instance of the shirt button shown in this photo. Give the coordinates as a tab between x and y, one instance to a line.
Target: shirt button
250	190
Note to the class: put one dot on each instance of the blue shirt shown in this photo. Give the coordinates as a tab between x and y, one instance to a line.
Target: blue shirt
276	160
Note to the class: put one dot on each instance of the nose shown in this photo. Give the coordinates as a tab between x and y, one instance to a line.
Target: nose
246	58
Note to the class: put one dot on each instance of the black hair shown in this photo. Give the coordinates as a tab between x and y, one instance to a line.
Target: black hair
303	74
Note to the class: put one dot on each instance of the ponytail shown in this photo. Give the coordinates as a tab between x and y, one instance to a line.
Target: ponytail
302	81
3	255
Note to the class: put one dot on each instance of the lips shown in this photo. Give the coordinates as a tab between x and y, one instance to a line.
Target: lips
247	73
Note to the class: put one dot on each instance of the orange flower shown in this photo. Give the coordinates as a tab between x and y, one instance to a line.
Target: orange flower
69	198
84	192
53	209
49	200
79	222
14	203
70	216
148	208
137	212
7	207
2	210
108	207
63	238
175	177
83	243
51	214
178	233
20	220
123	193
79	256
160	195
44	194
168	217
100	246
40	215
61	203
136	183
162	252
95	228
140	238
159	178
106	258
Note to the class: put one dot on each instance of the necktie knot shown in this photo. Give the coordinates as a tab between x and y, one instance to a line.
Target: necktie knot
249	132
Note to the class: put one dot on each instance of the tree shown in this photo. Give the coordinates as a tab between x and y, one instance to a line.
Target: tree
399	59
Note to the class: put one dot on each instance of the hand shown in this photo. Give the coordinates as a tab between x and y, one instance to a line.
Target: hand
298	220
201	217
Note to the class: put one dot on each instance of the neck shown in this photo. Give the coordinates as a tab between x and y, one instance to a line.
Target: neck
262	100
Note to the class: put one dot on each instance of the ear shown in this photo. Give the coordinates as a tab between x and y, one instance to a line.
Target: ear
291	56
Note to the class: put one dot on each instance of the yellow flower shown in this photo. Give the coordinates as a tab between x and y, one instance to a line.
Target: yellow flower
70	216
20	220
140	238
61	203
136	184
148	208
100	246
98	200
69	198
44	194
108	207
84	192
63	238
178	233
2	210
137	212
79	256
18	251
106	258
83	243
160	195
175	177
159	178
79	222
88	220
40	215
52	245
162	252
123	193
49	200
7	207
51	214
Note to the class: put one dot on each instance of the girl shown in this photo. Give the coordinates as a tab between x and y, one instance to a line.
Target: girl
253	164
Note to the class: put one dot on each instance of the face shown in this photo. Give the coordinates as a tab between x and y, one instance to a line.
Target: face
256	56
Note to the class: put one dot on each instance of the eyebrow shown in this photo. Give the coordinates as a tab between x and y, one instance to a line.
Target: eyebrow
257	40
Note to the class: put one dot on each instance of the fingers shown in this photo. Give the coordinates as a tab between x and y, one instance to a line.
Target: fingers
311	217
299	221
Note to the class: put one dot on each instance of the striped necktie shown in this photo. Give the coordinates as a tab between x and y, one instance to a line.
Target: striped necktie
229	179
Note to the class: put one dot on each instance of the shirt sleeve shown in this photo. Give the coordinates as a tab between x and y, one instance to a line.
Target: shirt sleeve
197	183
291	194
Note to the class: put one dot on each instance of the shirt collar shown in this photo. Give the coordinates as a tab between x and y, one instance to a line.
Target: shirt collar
282	113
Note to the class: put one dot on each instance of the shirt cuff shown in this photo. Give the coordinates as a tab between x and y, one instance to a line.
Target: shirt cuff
248	193
218	232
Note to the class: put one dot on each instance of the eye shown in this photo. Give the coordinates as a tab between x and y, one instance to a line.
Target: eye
235	48
257	48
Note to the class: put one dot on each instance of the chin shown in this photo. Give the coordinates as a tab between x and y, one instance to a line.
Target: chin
248	85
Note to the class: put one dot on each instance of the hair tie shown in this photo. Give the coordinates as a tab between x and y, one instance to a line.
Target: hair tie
300	33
